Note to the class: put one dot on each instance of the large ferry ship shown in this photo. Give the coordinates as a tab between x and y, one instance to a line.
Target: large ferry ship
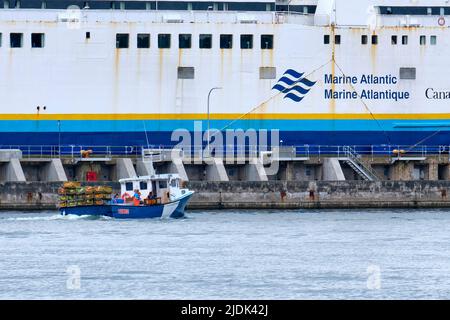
323	72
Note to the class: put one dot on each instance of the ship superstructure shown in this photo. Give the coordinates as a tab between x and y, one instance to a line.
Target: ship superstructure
131	72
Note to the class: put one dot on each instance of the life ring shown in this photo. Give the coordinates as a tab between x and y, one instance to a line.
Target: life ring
125	196
441	21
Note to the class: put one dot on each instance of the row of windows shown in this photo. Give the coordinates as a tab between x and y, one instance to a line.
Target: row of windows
37	40
415	10
205	41
405	73
374	40
139	5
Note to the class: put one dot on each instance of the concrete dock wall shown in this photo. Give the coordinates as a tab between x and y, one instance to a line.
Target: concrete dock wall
264	194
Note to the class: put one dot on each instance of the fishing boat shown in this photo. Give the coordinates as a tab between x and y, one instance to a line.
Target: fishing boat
160	196
155	196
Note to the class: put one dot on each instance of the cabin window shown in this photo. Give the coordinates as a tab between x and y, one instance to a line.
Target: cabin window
162	184
337	39
226	41
404	40
16	40
246	41
186	72
122	40
423	40
408	73
129	186
205	41
143	40
184	41
37	40
394	40
143	185
164	41
88	35
364	39
374	39
173	183
267	41
267	73
433	40
326	39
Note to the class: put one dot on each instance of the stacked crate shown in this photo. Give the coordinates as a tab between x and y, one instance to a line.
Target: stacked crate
72	194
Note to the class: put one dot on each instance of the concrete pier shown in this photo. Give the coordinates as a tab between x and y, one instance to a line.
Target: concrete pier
264	195
346	180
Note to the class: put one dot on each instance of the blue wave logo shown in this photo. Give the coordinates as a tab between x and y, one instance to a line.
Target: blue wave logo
294	85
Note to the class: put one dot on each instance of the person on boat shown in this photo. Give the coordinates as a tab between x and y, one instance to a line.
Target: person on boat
116	198
137	194
137	197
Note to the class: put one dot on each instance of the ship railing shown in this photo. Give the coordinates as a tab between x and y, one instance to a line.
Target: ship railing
242	151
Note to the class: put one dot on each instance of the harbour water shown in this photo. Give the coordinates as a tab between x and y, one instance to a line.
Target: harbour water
368	254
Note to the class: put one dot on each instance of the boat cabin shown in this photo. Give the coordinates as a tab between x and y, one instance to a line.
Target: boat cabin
162	188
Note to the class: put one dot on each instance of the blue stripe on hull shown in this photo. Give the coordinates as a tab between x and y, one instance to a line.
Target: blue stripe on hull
163	138
139	126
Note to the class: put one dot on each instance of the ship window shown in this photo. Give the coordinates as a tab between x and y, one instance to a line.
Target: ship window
374	39
129	186
5	4
164	41
267	73
186	72
404	40
0	39
143	185
205	41
326	39
433	40
143	40
162	184
37	40
31	4
267	41
337	39
394	40
246	41
364	39
88	35
429	11
423	40
16	40
408	73
184	41
226	41
122	40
